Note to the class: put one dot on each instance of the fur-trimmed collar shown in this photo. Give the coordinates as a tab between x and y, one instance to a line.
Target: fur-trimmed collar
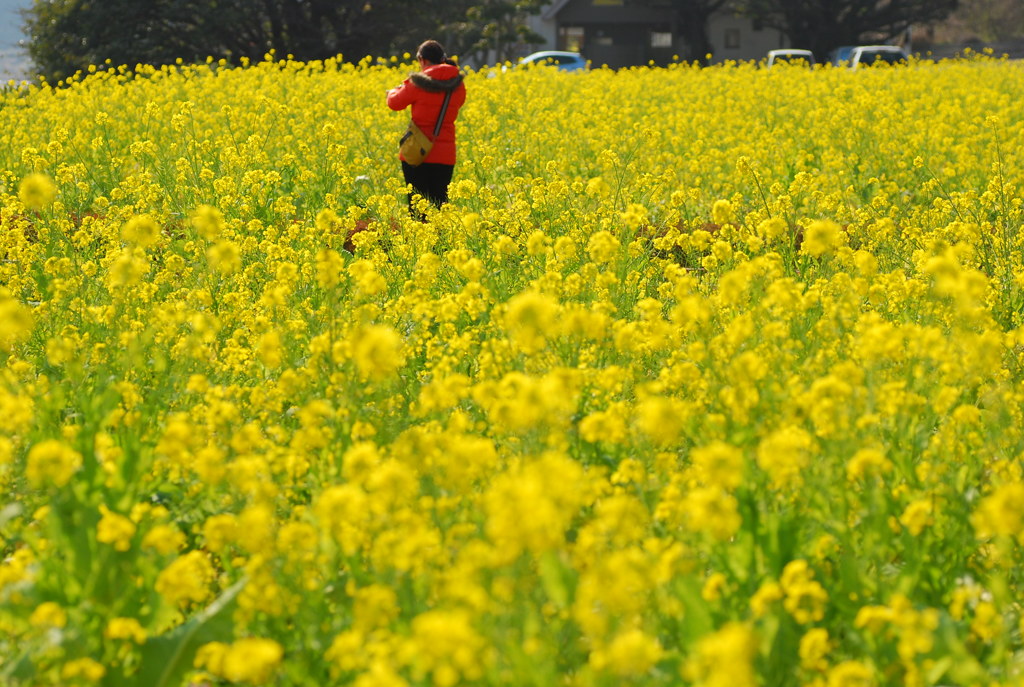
429	83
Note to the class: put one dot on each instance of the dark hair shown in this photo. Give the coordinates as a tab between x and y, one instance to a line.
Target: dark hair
432	52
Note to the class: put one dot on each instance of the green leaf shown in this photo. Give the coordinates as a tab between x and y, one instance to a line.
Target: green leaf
166	658
21	669
849	573
697	620
938	669
555	578
964	668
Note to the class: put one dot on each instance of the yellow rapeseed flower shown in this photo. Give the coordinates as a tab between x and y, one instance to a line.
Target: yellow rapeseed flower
85	669
48	614
850	674
531	319
253	660
718	464
784	455
445	645
330	268
225	257
917	516
1001	513
722	212
712	510
208	221
377	352
805	598
37	191
125	628
15	321
141	230
602	247
164	539
814	648
114	529
768	593
186	580
821	237
51	462
630	654
723	658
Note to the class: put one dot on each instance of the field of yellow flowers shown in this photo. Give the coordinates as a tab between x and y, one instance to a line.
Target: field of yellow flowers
705	377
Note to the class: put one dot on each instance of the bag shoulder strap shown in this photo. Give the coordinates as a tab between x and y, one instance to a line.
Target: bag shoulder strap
440	117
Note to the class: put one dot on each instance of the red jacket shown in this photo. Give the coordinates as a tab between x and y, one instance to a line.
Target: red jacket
425	92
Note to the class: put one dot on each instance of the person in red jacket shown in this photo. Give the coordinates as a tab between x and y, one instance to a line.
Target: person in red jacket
424	91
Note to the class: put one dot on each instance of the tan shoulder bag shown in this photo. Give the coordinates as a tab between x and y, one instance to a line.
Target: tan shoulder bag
414	144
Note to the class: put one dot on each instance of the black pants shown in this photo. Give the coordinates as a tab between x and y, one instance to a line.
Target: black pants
430	180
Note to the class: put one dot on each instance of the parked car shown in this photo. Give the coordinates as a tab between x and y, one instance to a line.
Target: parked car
874	54
566	61
840	55
790	55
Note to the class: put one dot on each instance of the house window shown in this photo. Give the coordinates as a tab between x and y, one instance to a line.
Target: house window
571	38
661	39
732	39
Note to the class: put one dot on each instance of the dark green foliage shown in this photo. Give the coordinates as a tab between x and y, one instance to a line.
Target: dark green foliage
491	31
69	35
66	36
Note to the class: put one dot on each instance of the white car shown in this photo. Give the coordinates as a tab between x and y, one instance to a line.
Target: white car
874	54
790	55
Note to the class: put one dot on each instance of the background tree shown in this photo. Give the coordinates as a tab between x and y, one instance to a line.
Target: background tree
491	31
68	35
821	25
990	20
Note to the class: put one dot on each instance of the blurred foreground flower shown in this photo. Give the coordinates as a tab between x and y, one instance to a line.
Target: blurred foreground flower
37	191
